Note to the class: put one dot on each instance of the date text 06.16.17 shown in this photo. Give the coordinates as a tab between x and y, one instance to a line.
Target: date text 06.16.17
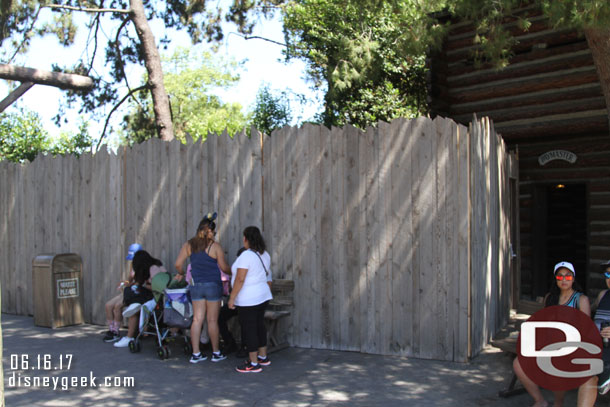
41	362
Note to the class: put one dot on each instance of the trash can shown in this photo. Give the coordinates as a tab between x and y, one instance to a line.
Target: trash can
57	285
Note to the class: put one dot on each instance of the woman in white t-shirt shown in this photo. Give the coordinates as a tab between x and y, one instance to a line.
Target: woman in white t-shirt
251	294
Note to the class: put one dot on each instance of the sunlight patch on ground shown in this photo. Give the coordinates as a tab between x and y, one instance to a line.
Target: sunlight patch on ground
333	395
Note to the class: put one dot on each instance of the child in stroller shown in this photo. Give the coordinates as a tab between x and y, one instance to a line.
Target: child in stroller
166	317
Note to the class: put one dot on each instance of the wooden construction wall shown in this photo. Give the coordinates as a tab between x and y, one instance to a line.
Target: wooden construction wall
388	233
396	237
154	194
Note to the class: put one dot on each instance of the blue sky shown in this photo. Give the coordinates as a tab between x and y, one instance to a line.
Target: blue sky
263	63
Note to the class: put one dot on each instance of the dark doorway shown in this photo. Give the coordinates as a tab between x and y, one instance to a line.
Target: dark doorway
559	232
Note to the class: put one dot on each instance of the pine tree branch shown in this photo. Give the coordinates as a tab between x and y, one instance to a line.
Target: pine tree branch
256	37
97	27
25	37
86	9
130	93
120	57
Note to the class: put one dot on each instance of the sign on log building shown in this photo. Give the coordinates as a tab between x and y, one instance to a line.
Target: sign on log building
548	106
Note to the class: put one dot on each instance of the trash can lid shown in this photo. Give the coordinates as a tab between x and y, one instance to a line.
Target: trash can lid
60	262
67	262
43	260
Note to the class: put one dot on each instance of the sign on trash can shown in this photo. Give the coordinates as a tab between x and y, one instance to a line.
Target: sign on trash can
57	285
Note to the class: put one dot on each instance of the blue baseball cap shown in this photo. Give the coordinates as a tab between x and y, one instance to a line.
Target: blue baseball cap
132	250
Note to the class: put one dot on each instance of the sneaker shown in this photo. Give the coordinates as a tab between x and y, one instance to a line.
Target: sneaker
264	361
124	342
198	358
603	384
248	367
218	357
111	336
131	310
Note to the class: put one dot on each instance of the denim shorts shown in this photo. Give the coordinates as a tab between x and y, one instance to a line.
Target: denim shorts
206	291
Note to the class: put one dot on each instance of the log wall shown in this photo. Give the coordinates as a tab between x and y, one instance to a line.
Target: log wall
548	98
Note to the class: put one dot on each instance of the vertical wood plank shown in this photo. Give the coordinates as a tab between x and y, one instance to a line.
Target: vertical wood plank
313	234
366	164
6	260
328	245
461	289
8	290
300	237
257	191
278	196
339	218
384	294
267	187
288	210
20	288
399	224
29	228
354	195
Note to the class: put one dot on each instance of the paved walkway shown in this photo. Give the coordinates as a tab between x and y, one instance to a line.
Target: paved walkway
297	377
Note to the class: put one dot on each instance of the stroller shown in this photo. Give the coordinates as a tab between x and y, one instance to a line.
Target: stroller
158	315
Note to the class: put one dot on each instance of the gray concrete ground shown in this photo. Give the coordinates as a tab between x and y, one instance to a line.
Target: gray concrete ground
296	377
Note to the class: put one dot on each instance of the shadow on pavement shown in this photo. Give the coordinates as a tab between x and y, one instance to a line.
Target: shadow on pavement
296	377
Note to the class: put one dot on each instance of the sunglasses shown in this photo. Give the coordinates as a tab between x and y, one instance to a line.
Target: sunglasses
567	278
607	274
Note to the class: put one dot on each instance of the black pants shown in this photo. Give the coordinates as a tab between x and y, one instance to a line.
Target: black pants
252	321
225	315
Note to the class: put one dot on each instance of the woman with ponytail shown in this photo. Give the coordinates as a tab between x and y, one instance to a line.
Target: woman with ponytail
206	256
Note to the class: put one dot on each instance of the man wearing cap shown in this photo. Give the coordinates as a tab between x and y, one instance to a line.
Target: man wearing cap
602	320
114	307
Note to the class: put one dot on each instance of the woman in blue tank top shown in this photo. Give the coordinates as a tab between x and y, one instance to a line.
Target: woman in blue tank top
564	291
207	259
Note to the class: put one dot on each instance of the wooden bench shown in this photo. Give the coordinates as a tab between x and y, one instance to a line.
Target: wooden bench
506	340
279	308
509	345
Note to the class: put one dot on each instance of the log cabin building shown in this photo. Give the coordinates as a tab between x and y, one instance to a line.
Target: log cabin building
548	106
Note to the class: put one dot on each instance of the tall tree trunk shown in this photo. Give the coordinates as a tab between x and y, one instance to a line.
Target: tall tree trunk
163	117
599	43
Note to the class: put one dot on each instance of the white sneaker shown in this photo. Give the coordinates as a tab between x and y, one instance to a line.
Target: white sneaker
123	342
131	309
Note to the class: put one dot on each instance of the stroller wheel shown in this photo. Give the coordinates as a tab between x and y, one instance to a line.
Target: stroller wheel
135	346
163	352
188	349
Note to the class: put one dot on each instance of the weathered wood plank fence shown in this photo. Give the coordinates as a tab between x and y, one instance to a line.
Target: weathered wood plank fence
396	238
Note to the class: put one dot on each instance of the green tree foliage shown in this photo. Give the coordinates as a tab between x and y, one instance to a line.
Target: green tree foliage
112	45
76	144
23	137
190	79
370	54
271	111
